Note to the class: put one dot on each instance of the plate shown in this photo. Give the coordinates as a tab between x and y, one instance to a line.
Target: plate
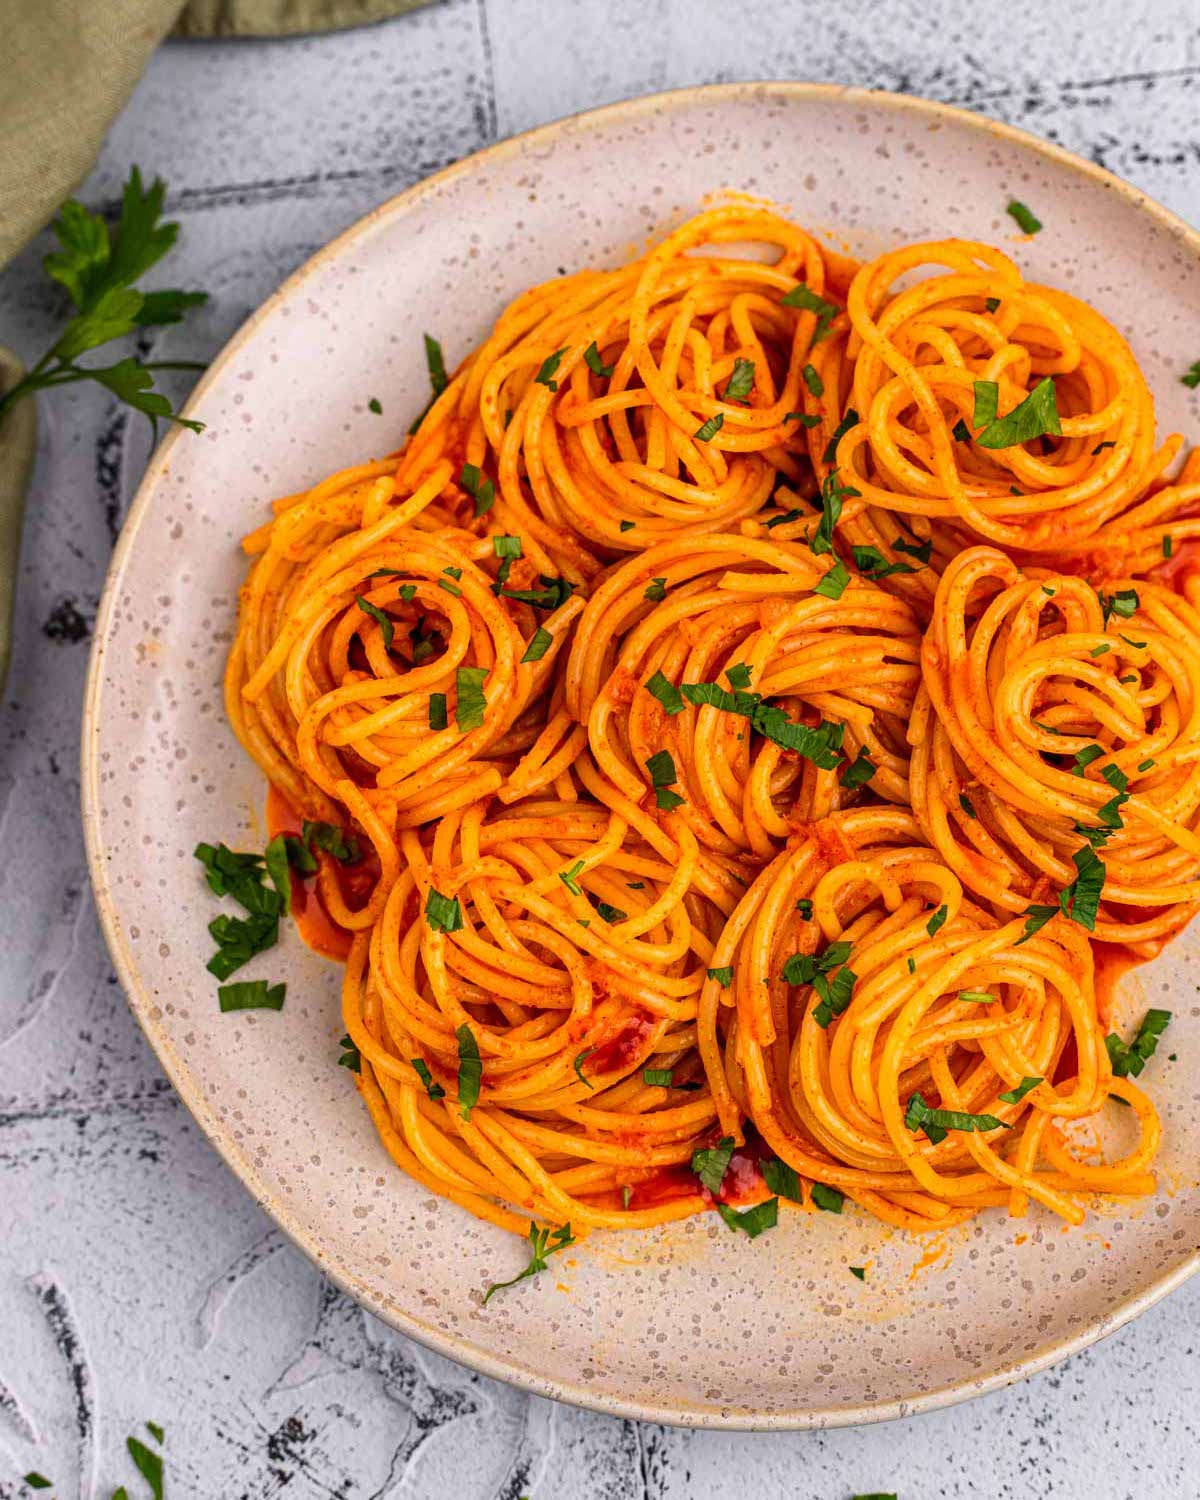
689	1324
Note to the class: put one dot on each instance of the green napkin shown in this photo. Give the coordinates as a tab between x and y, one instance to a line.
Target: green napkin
67	70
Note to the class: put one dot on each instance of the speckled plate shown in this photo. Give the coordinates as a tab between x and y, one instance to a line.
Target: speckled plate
689	1324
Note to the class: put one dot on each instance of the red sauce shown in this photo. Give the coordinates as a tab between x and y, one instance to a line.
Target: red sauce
620	1053
313	922
1180	571
743	1182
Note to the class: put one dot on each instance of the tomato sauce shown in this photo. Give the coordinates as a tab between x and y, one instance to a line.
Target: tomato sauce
313	922
1181	571
743	1182
620	1052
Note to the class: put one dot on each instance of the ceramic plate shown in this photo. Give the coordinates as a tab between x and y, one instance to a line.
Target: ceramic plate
689	1324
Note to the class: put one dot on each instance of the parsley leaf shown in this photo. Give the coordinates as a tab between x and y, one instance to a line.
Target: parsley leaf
97	274
481	490
387	625
827	1198
666	692
1129	1058
741	381
591	358
859	772
753	1221
351	1057
833	584
432	1088
711	1164
1025	217
251	994
543	1241
1014	1096
709	429
443	913
782	1179
549	368
539	643
470	1070
802	296
472	702
1034	417
936	1122
724	977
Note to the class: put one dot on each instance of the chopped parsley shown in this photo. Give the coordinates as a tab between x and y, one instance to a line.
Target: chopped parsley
543	1241
833	496
591	358
828	1199
1129	1058
813	381
709	429
859	1271
741	381
821	744
610	913
839	432
549	368
937	920
1025	217
1192	378
570	877
872	564
437	711
382	619
833	584
1036	416
553	592
580	1059
1124	604
1080	900
859	772
664	1078
539	643
1014	1096
980	997
753	1221
967	806
711	1163
936	1123
470	1070
724	977
251	994
803	297
469	710
782	1179
805	907
922	551
374	406
656	590
481	490
434	1089
443	913
662	777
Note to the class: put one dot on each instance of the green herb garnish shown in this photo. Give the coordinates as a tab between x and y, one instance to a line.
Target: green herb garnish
251	994
543	1242
443	913
470	1070
98	272
1025	217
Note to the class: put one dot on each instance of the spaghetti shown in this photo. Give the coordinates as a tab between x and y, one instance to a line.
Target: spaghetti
734	715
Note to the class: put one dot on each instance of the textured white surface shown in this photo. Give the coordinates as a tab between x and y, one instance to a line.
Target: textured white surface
136	1278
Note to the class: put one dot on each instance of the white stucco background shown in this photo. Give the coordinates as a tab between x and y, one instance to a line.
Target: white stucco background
137	1279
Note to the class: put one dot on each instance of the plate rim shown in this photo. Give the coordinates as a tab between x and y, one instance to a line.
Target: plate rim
457	1347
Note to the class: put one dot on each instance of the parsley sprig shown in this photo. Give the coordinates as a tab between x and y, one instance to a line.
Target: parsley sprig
97	271
543	1241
